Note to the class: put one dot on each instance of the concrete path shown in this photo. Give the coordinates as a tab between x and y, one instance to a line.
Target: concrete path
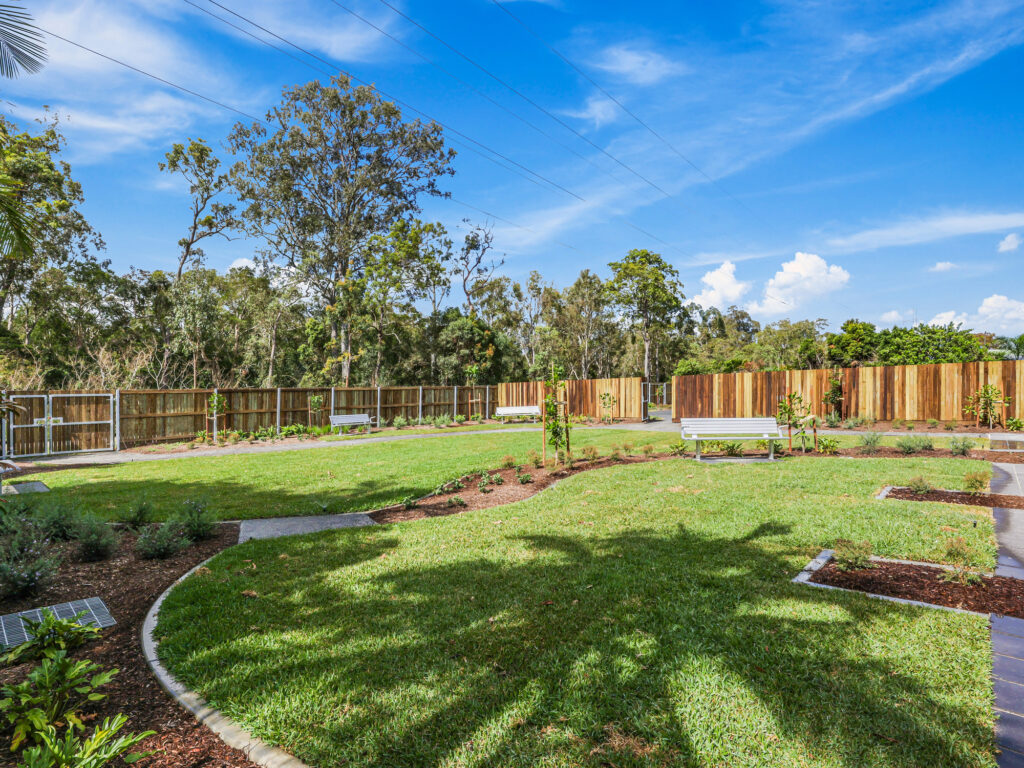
127	457
1009	479
275	527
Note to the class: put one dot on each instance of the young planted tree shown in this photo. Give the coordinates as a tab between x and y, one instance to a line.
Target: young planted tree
336	166
197	164
647	291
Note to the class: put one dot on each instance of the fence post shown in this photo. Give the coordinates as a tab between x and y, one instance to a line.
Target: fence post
378	408
487	402
117	419
332	400
3	429
455	402
215	400
419	417
279	410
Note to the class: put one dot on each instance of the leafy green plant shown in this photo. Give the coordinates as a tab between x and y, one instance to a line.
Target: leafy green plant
608	403
50	634
677	448
615	454
828	445
590	452
976	482
557	424
897	424
52	693
832	420
1014	424
196	521
524	478
960	446
870	442
934	423
910	426
912	444
96	751
647	449
961	556
482	486
399	421
985	405
627	448
158	542
919	485
507	462
852	555
534	458
456	501
409	502
56	520
950	426
97	540
497	479
460	418
27	561
477	417
733	449
833	398
791	410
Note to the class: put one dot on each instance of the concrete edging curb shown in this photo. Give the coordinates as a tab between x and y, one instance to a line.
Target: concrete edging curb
804	577
226	729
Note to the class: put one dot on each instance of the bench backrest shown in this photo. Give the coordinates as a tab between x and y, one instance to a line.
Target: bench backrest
354	418
517	410
760	427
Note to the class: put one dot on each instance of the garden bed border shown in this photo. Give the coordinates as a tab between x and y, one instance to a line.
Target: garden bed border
804	577
232	734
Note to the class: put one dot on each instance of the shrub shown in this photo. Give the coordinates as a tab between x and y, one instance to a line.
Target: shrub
590	452
477	417
27	562
910	426
482	485
832	420
733	449
950	426
52	693
524	478
158	542
497	479
919	485
934	423
961	556
196	522
138	514
96	539
409	502
913	444
976	482
627	448
647	449
897	423
870	442
49	635
853	555
456	501
57	521
534	458
399	421
677	448
569	461
460	418
98	750
507	462
1014	424
960	446
828	446
616	454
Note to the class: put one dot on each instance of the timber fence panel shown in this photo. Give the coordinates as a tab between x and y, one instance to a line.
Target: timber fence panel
583	396
914	392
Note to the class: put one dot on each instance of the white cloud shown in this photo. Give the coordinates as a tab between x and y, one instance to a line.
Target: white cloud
996	314
926	230
638	65
722	289
807	276
1009	243
942	266
893	316
242	263
598	110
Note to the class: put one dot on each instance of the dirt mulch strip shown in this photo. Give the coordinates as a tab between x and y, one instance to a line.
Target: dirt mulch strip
510	490
960	497
924	427
129	586
996	594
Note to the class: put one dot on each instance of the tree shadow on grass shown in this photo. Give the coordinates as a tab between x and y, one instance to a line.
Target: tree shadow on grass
639	648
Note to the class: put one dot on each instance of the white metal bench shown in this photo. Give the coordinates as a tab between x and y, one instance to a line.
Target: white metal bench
517	411
352	420
1014	441
733	429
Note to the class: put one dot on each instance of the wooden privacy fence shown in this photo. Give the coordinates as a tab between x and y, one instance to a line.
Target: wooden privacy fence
911	392
583	396
65	422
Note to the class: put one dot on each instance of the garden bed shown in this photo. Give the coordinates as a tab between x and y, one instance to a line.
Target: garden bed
129	586
959	497
995	594
929	429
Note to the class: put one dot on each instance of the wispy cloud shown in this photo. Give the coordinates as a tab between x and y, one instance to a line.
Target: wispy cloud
996	314
925	230
942	266
597	110
638	64
1009	243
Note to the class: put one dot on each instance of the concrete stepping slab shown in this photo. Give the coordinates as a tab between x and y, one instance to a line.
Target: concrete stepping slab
30	486
1009	696
276	527
1008	625
1007	667
1008	759
1010	731
1008	645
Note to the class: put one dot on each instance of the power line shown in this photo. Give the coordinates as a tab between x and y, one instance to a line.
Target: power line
151	75
525	98
404	104
623	107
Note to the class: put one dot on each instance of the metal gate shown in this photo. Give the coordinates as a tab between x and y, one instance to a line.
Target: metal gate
44	425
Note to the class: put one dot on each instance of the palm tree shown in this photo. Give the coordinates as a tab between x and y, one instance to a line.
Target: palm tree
1013	346
21	45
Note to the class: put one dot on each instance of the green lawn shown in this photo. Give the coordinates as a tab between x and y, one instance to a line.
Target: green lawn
634	616
333	478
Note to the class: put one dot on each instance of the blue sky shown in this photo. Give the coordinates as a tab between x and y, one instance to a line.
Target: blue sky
859	159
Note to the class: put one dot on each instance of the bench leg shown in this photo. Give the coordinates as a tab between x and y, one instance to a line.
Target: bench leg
771	450
698	449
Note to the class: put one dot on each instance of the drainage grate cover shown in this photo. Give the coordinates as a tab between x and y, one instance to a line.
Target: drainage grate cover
12	628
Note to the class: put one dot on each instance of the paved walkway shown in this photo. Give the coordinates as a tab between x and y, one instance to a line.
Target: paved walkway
1007	632
274	527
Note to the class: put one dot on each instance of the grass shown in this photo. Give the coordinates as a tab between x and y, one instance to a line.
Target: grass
633	616
338	478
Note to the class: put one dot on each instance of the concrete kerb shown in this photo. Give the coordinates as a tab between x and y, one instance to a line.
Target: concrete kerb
804	577
227	730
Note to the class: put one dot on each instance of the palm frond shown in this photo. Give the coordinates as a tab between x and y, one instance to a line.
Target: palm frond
17	228
21	44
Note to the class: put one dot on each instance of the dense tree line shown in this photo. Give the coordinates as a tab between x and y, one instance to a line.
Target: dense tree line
348	285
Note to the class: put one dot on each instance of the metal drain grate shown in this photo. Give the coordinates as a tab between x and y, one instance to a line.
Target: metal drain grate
12	628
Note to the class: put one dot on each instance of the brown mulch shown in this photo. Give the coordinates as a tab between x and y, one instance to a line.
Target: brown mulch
996	594
889	452
960	497
509	491
923	426
129	586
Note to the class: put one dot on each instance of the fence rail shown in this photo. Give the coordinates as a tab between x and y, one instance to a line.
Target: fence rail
583	396
909	392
